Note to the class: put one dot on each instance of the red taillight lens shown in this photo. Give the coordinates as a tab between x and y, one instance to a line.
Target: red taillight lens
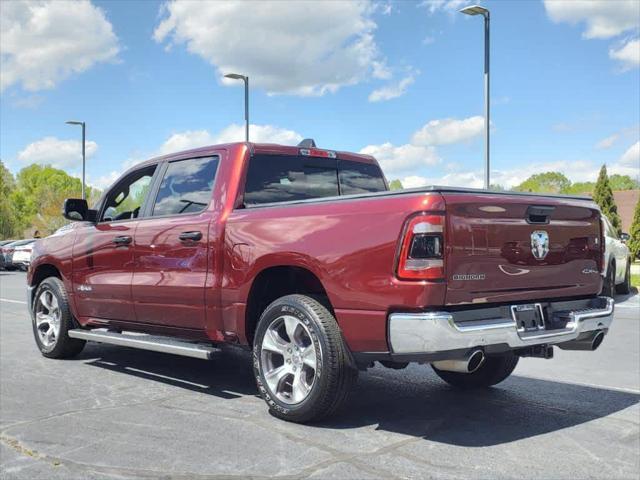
422	250
316	152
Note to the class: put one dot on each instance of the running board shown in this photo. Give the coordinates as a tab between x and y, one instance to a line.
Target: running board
147	342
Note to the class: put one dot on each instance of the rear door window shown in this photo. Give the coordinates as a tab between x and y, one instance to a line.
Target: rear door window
186	187
283	178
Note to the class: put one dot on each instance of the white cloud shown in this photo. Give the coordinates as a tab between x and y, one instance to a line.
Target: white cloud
402	159
259	134
421	152
576	171
42	43
233	133
628	54
394	90
63	154
104	181
604	18
631	158
186	141
448	130
301	48
448	6
608	142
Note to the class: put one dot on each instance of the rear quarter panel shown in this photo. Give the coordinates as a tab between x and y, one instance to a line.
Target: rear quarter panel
349	244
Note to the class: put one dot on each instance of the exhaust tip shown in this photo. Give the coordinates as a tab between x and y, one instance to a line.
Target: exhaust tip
597	340
476	359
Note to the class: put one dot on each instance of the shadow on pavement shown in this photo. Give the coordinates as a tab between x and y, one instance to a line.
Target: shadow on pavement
416	404
228	376
518	408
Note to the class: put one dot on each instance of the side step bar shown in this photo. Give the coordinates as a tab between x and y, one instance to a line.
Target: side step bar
147	342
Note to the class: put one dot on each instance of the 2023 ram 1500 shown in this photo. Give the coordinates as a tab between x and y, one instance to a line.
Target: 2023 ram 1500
303	255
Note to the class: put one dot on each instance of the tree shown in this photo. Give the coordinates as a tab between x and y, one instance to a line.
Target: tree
603	196
548	182
623	182
580	188
634	241
395	185
38	197
7	212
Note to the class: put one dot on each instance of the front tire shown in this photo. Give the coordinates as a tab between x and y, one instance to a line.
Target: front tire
625	287
494	370
302	366
52	319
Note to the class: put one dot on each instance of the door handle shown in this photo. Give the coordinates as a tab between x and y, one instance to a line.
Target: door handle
122	240
195	236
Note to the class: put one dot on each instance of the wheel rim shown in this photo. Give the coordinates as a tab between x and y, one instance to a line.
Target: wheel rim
48	318
288	359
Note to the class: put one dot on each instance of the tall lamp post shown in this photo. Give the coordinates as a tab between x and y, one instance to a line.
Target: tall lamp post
478	10
73	122
245	79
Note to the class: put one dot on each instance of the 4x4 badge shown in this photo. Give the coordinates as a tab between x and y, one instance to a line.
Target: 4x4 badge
539	244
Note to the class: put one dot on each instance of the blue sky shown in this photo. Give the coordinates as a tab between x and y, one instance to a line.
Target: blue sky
400	80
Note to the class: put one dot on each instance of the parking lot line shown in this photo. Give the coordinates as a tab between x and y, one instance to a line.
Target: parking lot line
12	301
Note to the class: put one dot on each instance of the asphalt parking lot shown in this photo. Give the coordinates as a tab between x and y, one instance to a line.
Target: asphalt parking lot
118	413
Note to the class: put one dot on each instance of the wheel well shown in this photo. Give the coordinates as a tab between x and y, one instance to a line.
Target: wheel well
275	282
44	271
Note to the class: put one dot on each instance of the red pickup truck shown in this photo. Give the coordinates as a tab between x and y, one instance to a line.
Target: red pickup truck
303	255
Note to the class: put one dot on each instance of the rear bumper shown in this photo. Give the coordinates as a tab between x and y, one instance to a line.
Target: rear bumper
436	333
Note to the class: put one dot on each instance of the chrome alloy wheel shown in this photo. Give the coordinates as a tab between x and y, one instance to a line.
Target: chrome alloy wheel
288	358
48	316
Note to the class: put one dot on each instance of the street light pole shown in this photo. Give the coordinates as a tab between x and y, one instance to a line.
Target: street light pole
84	141
478	10
245	79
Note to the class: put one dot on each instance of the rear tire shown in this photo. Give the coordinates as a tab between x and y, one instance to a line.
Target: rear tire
608	287
302	365
494	370
625	287
52	319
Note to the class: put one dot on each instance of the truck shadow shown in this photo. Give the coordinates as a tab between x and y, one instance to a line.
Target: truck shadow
411	402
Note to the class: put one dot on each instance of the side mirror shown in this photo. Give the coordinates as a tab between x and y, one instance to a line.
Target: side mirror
625	237
77	210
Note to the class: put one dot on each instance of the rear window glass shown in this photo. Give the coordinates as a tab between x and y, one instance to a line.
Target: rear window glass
283	178
357	177
186	187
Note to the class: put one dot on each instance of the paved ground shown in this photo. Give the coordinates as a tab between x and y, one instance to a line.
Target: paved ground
118	413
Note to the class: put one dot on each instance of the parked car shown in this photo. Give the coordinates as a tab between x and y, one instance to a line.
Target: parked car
2	244
21	256
617	262
303	255
7	252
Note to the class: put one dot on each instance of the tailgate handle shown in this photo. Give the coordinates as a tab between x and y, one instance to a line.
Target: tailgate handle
539	214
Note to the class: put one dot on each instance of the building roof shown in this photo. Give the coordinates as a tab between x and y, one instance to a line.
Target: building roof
626	201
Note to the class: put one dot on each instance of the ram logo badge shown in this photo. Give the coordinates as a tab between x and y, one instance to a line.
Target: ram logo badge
539	244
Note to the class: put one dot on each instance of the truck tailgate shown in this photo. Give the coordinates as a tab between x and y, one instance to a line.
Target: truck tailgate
503	248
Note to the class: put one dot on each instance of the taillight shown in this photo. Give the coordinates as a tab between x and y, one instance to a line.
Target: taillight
422	250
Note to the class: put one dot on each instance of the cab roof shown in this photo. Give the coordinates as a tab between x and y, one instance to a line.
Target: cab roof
256	148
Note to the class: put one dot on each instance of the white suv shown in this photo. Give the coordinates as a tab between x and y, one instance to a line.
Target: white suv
617	262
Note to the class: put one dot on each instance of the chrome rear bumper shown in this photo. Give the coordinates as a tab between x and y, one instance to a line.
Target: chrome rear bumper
435	332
